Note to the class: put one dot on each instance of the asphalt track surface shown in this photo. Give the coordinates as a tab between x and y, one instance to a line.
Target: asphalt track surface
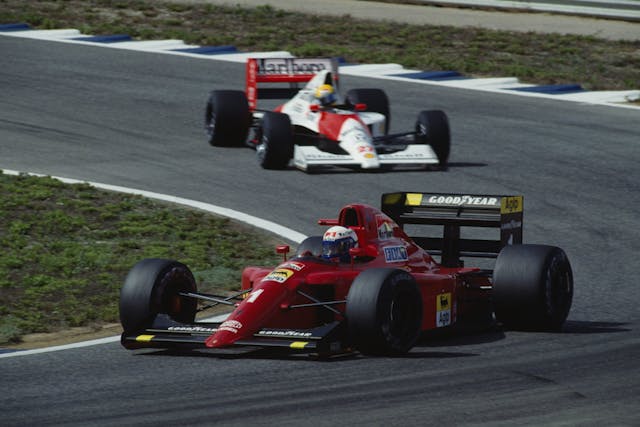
135	119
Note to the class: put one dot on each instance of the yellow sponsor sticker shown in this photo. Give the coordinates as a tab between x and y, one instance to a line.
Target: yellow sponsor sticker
144	338
414	199
511	204
279	275
298	345
443	310
443	301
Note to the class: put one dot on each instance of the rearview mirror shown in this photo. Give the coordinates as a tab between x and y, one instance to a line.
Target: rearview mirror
283	249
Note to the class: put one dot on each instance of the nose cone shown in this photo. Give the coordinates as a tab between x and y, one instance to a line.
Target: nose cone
356	140
251	314
226	334
370	160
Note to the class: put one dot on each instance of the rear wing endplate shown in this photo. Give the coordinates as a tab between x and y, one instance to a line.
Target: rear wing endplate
282	70
453	211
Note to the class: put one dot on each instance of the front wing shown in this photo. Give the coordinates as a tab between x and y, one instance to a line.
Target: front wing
326	339
308	156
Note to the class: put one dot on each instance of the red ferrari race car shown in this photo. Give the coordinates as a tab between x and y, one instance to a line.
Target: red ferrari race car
365	285
316	127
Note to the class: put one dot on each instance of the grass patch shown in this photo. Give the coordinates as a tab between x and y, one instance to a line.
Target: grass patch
535	58
67	249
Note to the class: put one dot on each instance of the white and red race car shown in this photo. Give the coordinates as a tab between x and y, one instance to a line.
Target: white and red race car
353	132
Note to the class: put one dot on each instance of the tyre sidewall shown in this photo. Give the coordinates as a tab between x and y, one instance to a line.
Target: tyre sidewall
532	287
375	297
227	118
276	148
432	128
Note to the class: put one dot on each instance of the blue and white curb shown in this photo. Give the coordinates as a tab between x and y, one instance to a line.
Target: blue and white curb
506	85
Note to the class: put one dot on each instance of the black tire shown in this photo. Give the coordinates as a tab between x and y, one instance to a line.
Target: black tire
276	142
227	118
384	312
432	127
311	245
376	101
152	287
532	287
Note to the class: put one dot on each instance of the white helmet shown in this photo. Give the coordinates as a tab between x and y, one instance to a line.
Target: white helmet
337	241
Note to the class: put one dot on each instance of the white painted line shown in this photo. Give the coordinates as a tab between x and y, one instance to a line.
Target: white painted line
149	45
60	347
272	227
254	221
243	56
53	35
374	69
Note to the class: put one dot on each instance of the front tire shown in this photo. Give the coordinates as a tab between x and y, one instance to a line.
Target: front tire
432	127
276	144
227	118
384	312
152	287
532	287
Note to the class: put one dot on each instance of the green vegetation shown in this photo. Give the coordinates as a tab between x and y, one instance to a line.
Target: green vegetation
67	249
534	58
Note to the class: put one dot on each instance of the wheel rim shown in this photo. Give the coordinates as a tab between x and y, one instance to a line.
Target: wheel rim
402	320
211	126
262	150
422	129
172	283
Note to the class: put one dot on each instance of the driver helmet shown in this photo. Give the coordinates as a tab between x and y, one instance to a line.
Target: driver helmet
336	243
326	95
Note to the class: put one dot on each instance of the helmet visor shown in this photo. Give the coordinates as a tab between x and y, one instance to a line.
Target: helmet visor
336	248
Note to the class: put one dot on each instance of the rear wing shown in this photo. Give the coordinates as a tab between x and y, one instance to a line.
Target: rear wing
283	70
453	211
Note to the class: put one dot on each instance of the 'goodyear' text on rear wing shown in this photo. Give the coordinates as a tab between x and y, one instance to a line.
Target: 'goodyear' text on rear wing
454	211
282	70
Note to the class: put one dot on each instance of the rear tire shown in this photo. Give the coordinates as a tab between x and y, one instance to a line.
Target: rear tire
227	118
376	101
384	312
152	287
532	287
432	127
276	144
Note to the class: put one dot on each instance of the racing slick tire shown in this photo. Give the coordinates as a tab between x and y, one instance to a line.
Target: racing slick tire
152	287
276	143
384	312
227	118
432	127
311	246
532	287
376	101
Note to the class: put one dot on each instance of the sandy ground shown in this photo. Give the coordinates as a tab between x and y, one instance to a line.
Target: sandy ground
433	15
66	336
